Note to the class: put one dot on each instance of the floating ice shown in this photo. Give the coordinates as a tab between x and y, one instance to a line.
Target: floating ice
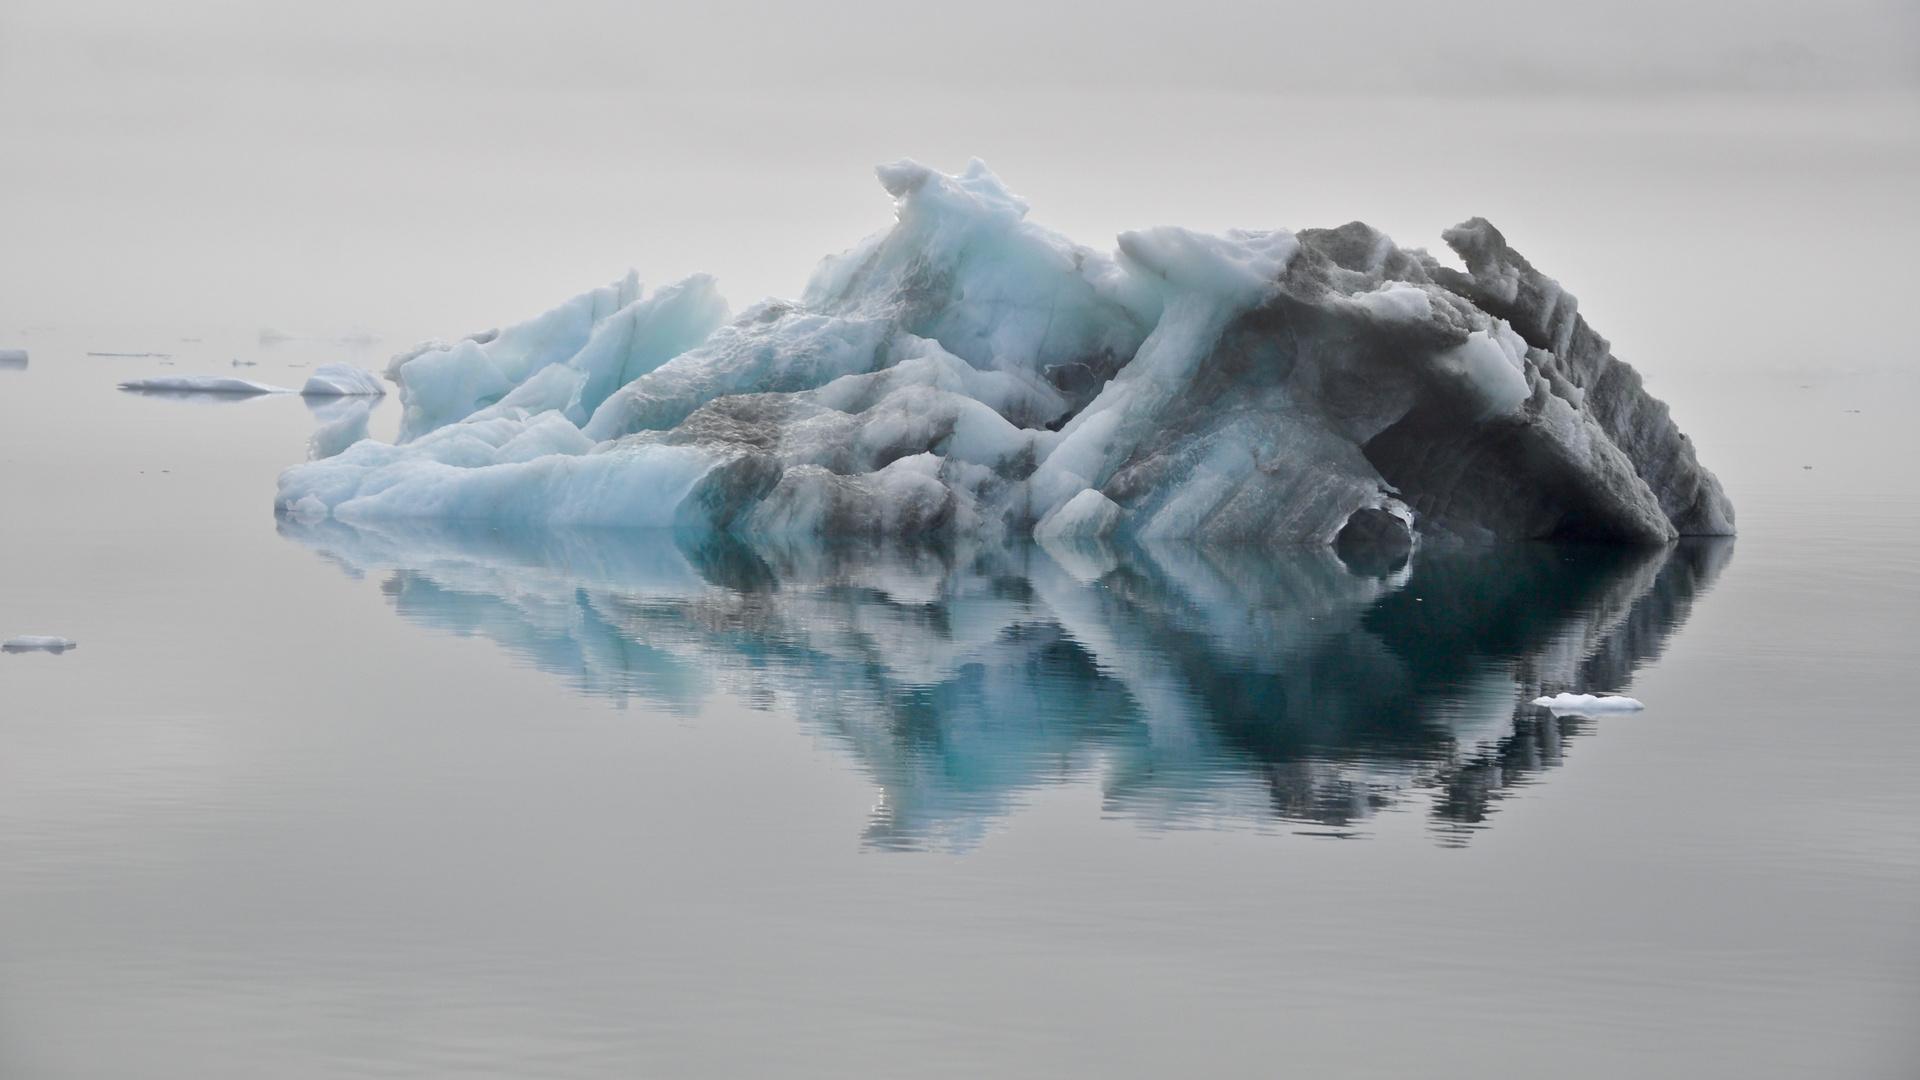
37	643
1588	704
329	380
342	380
339	431
967	372
202	384
13	357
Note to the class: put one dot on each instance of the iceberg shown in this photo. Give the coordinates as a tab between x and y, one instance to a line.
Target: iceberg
202	384
37	643
967	372
328	380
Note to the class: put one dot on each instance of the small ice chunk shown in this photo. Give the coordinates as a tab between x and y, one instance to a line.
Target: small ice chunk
13	356
38	643
340	432
245	363
203	384
357	335
1588	704
307	510
342	380
270	336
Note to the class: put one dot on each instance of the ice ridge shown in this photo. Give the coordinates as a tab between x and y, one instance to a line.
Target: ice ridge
968	372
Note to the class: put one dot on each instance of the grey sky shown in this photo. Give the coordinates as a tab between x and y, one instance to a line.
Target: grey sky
1468	46
435	167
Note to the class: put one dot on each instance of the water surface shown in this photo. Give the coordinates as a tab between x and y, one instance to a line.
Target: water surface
446	800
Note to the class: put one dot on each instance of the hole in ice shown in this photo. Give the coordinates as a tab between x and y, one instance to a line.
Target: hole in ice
1373	543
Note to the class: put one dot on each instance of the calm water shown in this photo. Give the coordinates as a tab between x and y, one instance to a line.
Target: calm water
437	801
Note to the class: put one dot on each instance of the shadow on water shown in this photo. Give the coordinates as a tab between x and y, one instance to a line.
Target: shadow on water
1198	685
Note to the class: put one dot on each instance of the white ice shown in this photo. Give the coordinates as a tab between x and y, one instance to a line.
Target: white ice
1588	704
329	380
203	384
37	643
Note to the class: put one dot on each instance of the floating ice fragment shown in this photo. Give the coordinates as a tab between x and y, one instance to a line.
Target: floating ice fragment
308	510
13	357
270	336
37	643
202	384
1588	704
136	355
342	380
357	335
339	432
330	380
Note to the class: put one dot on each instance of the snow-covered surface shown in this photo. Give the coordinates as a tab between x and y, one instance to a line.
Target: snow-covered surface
38	643
1588	704
202	384
342	380
968	372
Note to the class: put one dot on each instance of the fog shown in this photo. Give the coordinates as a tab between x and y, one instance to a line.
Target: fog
432	168
1372	45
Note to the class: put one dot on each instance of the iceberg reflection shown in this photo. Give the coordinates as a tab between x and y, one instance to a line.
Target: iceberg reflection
1197	684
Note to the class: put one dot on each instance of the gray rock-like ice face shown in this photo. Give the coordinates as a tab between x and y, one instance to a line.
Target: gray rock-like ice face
968	372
